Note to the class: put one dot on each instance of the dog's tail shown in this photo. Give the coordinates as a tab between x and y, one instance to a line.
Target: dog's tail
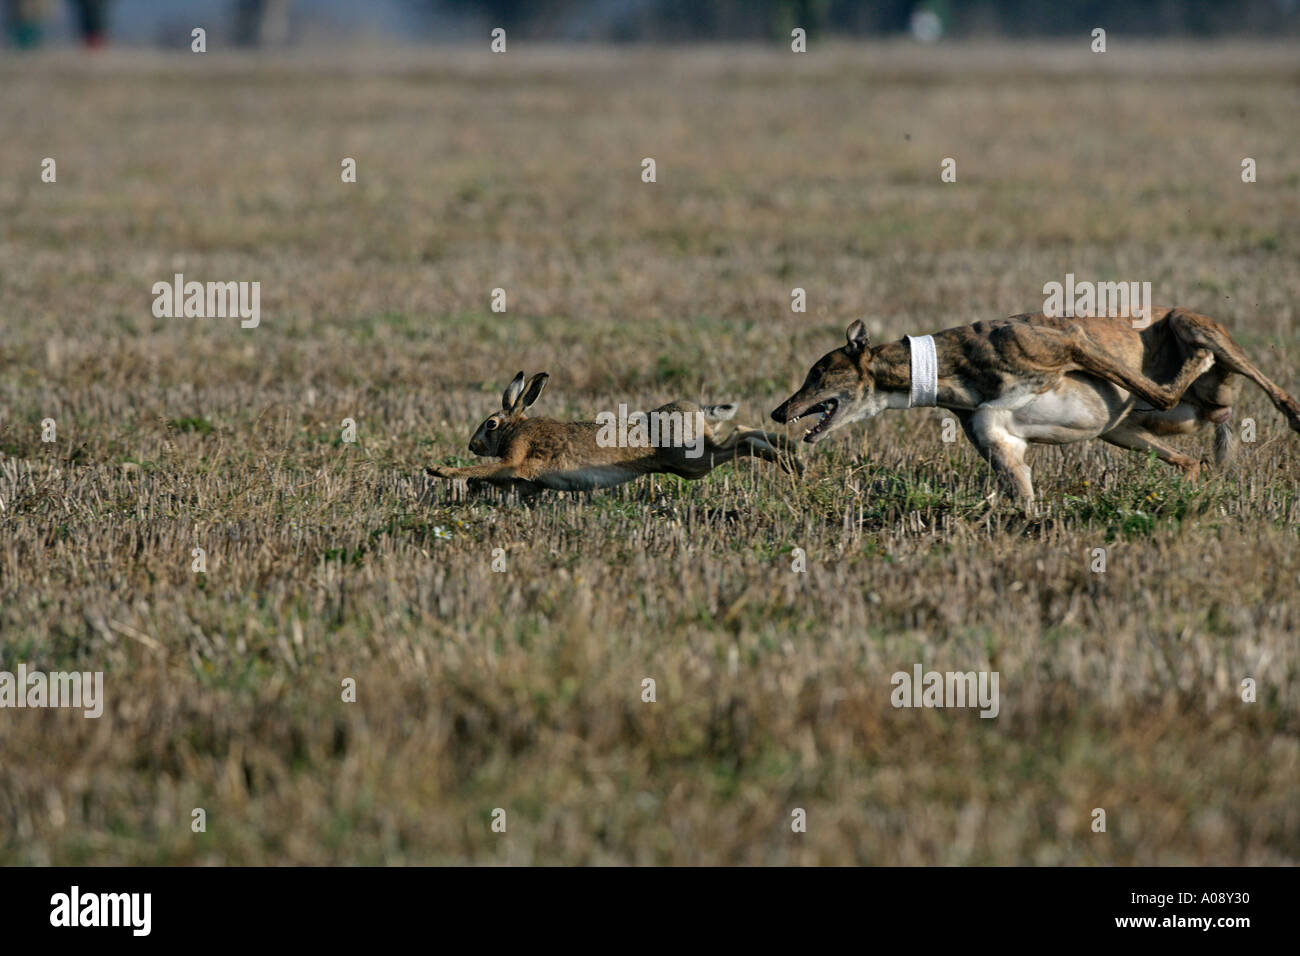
1225	443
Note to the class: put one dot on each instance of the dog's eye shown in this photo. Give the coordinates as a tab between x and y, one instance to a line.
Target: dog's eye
492	424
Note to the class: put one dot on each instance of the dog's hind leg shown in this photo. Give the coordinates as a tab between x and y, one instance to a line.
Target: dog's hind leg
1198	331
1097	361
1137	438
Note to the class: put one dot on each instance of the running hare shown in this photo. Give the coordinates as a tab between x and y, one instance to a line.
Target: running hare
540	453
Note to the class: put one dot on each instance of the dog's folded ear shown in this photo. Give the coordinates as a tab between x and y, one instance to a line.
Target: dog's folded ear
857	336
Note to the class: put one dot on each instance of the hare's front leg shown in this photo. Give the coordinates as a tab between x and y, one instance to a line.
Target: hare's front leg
494	474
500	475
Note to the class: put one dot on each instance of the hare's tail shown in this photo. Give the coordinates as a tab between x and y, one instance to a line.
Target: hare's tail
719	413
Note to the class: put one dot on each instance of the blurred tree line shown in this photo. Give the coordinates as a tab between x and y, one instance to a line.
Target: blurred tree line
272	23
702	20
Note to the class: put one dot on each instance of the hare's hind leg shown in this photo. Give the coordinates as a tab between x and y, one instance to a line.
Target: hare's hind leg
748	442
719	413
691	460
754	443
769	447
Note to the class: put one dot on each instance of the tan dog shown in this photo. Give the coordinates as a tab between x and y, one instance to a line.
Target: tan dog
539	453
1031	378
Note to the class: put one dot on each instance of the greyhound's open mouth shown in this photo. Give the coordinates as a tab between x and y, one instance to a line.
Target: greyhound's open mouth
827	410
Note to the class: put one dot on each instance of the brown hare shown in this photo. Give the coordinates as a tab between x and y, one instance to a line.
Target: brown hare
540	453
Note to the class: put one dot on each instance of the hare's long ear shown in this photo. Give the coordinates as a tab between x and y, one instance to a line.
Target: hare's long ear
857	337
511	394
535	386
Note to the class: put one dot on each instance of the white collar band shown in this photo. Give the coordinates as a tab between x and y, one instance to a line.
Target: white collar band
925	371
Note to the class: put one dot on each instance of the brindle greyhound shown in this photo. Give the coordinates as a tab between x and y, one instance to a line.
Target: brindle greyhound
1032	378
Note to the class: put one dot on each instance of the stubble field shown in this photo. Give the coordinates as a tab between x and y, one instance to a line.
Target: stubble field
522	690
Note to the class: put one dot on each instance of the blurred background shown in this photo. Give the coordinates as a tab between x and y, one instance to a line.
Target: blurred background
273	23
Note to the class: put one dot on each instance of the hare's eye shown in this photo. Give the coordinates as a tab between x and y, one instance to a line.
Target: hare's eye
492	424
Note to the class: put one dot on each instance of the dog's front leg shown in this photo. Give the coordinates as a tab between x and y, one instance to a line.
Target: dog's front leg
1005	452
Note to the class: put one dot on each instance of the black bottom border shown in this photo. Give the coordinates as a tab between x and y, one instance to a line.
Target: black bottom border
335	905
